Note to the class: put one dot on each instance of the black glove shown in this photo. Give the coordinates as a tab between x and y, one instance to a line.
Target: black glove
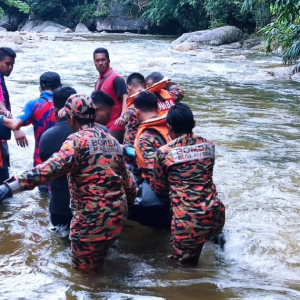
5	192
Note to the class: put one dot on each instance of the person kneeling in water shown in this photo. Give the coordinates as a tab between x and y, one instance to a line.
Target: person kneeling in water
183	169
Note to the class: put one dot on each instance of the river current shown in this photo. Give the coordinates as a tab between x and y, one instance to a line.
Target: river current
255	126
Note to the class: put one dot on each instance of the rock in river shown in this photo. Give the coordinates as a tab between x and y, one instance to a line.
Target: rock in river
212	37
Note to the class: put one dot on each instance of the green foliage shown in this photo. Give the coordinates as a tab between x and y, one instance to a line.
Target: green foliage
222	12
189	14
68	12
284	32
20	5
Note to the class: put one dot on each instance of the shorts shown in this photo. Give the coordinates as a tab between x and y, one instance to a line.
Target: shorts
89	255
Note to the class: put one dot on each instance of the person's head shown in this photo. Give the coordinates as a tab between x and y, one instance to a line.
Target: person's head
146	105
60	97
153	78
80	110
180	120
7	60
104	105
101	60
135	83
49	81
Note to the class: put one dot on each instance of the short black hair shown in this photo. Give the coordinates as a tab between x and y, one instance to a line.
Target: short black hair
136	80
5	51
154	76
145	101
101	98
101	50
181	118
61	95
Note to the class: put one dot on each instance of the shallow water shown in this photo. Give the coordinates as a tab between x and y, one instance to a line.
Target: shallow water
255	126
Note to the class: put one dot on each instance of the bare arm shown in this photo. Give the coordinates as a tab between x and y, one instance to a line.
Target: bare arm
3	108
120	121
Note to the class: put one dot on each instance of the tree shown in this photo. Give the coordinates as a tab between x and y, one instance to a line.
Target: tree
187	14
284	31
68	12
20	5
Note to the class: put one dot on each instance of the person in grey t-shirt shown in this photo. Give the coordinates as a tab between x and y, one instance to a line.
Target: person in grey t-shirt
104	105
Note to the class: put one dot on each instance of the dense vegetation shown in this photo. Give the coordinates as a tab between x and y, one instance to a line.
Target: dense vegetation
277	20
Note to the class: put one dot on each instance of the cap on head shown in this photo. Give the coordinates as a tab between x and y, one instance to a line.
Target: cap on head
79	106
50	80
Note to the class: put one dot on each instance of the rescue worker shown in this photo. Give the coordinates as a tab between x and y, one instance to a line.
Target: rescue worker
111	83
183	169
98	180
168	91
135	84
104	105
152	134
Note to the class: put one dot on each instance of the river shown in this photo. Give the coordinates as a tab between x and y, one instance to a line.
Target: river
255	126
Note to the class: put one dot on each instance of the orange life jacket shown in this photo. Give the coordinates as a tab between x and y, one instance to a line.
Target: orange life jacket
159	124
164	101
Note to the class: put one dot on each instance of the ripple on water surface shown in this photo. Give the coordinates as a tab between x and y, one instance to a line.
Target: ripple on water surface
255	126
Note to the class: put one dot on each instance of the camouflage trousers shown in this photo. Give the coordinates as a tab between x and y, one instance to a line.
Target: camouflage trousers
188	240
89	255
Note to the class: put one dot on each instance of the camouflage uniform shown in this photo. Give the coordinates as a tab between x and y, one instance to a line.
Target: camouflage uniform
149	141
131	122
175	90
99	187
184	168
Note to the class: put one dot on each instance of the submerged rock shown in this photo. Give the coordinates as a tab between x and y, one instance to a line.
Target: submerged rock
11	45
31	37
67	30
239	57
206	55
29	45
184	47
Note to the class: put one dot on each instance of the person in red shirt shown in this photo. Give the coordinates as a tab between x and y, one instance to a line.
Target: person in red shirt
111	83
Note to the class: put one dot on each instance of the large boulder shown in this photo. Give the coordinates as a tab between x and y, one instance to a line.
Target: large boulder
119	20
38	26
81	28
11	21
28	27
211	37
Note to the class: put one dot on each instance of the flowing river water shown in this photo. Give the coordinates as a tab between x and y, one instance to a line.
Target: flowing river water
255	126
